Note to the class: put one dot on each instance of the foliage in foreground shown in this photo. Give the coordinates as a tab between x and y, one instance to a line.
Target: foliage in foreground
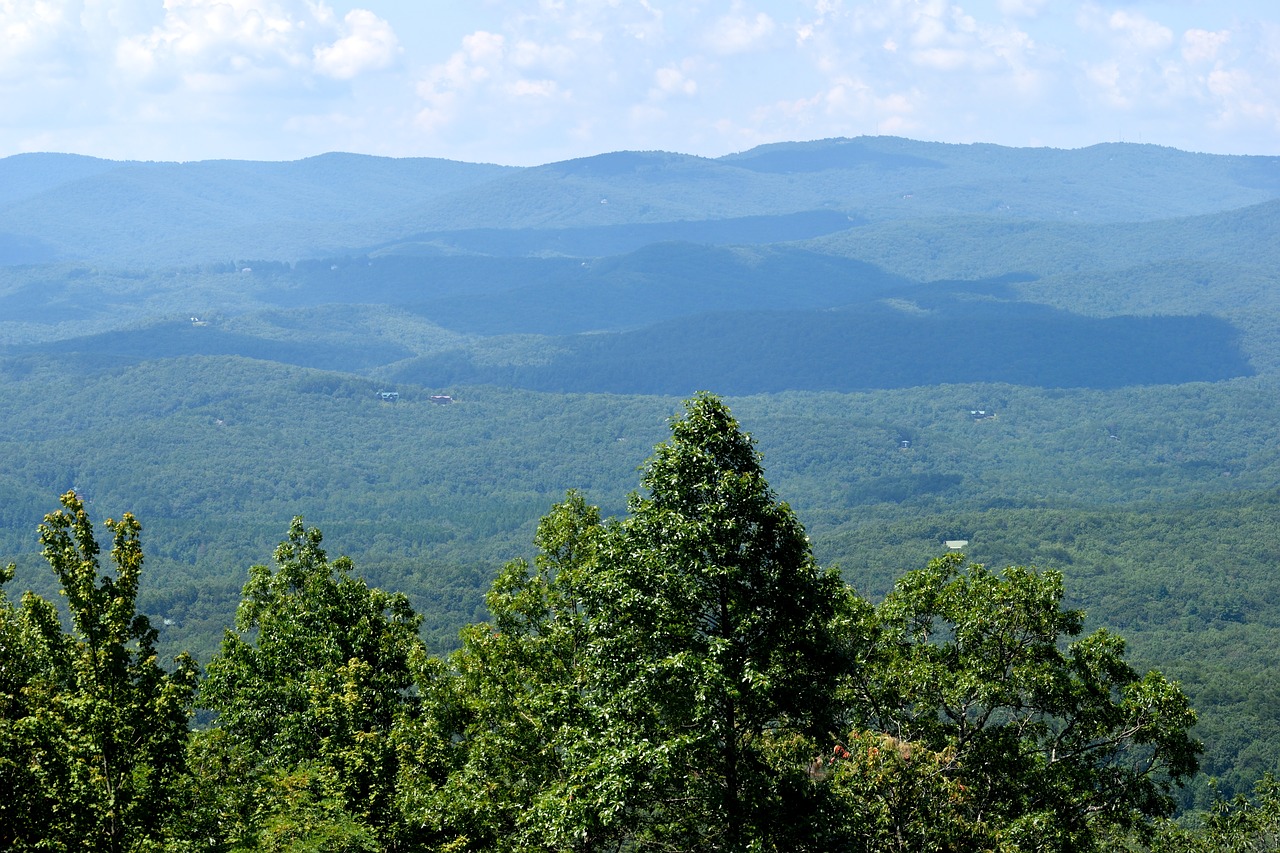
685	678
92	729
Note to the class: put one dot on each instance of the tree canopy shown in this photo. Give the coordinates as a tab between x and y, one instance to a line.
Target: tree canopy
685	677
1053	743
92	728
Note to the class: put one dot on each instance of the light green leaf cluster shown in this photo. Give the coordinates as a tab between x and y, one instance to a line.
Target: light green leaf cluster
92	729
309	691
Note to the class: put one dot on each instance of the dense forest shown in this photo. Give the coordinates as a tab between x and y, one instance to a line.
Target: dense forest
1066	359
684	677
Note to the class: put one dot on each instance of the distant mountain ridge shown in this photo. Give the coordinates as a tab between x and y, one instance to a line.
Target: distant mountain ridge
80	208
133	211
812	262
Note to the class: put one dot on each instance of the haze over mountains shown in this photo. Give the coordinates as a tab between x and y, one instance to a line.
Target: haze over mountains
891	240
83	208
207	344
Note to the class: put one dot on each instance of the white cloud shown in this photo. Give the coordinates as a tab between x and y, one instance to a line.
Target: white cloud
1140	31
1242	101
536	80
1229	85
948	58
31	32
739	32
647	115
173	78
483	48
1200	46
848	103
201	37
479	59
1000	60
935	35
512	80
1107	80
658	73
1023	8
529	55
1269	38
23	24
672	81
534	89
250	41
648	27
1135	69
369	44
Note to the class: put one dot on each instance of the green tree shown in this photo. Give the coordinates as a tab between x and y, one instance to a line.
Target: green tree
663	681
92	728
1241	824
308	692
34	658
1057	745
533	770
891	796
719	632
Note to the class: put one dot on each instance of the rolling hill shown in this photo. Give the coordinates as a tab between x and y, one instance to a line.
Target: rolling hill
1068	358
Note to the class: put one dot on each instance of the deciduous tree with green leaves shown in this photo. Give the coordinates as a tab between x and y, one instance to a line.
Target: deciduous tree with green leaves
310	687
535	770
92	728
1242	824
1057	744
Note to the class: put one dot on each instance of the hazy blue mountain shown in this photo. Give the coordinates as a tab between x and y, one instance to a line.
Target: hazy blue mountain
144	213
601	240
1069	358
16	249
26	175
874	178
170	213
1109	182
980	246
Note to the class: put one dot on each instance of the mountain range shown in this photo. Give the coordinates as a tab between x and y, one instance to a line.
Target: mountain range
1066	358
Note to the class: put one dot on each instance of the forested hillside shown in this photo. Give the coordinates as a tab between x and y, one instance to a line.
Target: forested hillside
1068	359
686	676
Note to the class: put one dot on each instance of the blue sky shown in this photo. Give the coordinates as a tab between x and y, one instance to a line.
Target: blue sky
523	82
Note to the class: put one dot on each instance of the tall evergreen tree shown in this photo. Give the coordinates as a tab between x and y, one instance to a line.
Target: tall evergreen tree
718	627
663	681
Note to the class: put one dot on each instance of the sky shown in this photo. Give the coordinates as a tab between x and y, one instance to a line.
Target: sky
524	82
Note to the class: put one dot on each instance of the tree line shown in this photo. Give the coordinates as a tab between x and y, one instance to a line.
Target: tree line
686	677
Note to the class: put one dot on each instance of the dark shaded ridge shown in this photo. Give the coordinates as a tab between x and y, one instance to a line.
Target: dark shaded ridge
874	347
182	338
903	487
663	282
598	241
405	280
